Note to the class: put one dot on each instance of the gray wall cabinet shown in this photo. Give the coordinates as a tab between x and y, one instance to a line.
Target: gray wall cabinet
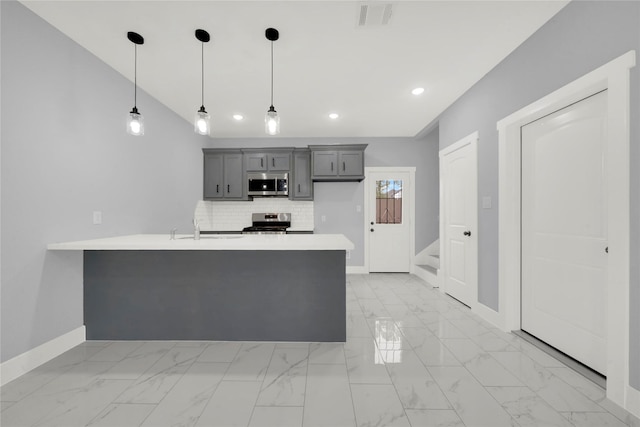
301	186
223	175
225	169
337	163
279	161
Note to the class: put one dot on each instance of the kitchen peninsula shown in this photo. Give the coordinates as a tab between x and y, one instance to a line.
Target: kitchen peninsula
234	287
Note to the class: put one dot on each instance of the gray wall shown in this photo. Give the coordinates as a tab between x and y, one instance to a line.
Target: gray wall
65	153
581	37
338	201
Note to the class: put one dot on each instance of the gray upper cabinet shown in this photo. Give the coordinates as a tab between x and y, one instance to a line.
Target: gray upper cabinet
325	164
301	187
233	176
223	175
271	161
337	162
213	176
255	162
351	163
225	170
279	162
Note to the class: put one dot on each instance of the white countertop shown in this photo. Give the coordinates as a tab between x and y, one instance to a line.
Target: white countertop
212	242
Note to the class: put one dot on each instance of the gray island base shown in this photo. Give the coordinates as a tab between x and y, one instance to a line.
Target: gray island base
221	295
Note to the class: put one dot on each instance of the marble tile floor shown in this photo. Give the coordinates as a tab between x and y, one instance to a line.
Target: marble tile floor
413	357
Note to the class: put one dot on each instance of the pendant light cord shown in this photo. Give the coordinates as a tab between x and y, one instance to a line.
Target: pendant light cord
272	73
202	74
135	75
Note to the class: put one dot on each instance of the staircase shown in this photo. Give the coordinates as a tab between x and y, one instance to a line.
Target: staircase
428	264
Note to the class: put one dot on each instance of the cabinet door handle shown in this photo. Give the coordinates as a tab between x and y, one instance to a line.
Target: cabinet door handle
331	166
467	233
217	188
298	188
261	162
273	162
343	167
228	188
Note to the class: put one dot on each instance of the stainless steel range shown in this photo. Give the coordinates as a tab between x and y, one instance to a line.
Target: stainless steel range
268	223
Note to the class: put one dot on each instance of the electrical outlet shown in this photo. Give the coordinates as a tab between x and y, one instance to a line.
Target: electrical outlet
358	208
323	218
348	254
97	217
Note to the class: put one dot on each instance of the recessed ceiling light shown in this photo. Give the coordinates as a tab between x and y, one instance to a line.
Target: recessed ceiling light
418	91
334	116
238	117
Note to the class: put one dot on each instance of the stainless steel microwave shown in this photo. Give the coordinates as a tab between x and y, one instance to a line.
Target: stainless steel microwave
268	184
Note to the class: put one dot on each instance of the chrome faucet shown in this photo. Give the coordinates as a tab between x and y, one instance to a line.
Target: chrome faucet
196	229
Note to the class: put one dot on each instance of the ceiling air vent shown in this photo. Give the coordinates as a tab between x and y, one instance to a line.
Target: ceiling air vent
374	14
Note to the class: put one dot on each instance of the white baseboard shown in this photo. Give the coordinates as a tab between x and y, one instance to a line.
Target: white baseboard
420	272
427	276
25	362
489	315
632	403
356	269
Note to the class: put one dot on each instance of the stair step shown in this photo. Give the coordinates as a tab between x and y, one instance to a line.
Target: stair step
433	261
428	268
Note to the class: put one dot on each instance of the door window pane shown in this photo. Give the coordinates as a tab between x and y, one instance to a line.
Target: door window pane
389	201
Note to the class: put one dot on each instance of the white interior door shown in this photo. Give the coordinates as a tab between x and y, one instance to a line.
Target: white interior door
564	231
389	222
459	220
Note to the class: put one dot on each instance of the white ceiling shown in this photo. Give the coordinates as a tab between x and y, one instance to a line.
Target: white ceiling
324	62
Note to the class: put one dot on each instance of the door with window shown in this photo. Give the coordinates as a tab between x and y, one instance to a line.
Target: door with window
388	225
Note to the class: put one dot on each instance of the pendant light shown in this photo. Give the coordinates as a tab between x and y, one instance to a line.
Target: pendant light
272	120
135	121
202	122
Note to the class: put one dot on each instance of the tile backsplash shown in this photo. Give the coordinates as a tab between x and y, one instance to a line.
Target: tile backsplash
234	216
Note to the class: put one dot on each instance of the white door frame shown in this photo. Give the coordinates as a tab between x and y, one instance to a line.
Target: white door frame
471	140
613	76
410	209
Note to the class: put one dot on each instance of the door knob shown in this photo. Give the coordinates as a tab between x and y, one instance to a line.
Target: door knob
467	233
606	249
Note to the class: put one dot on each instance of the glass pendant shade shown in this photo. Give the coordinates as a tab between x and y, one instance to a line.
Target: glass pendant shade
272	122
202	122
135	123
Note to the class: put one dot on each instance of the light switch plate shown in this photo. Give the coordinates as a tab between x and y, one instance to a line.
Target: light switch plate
97	217
486	202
